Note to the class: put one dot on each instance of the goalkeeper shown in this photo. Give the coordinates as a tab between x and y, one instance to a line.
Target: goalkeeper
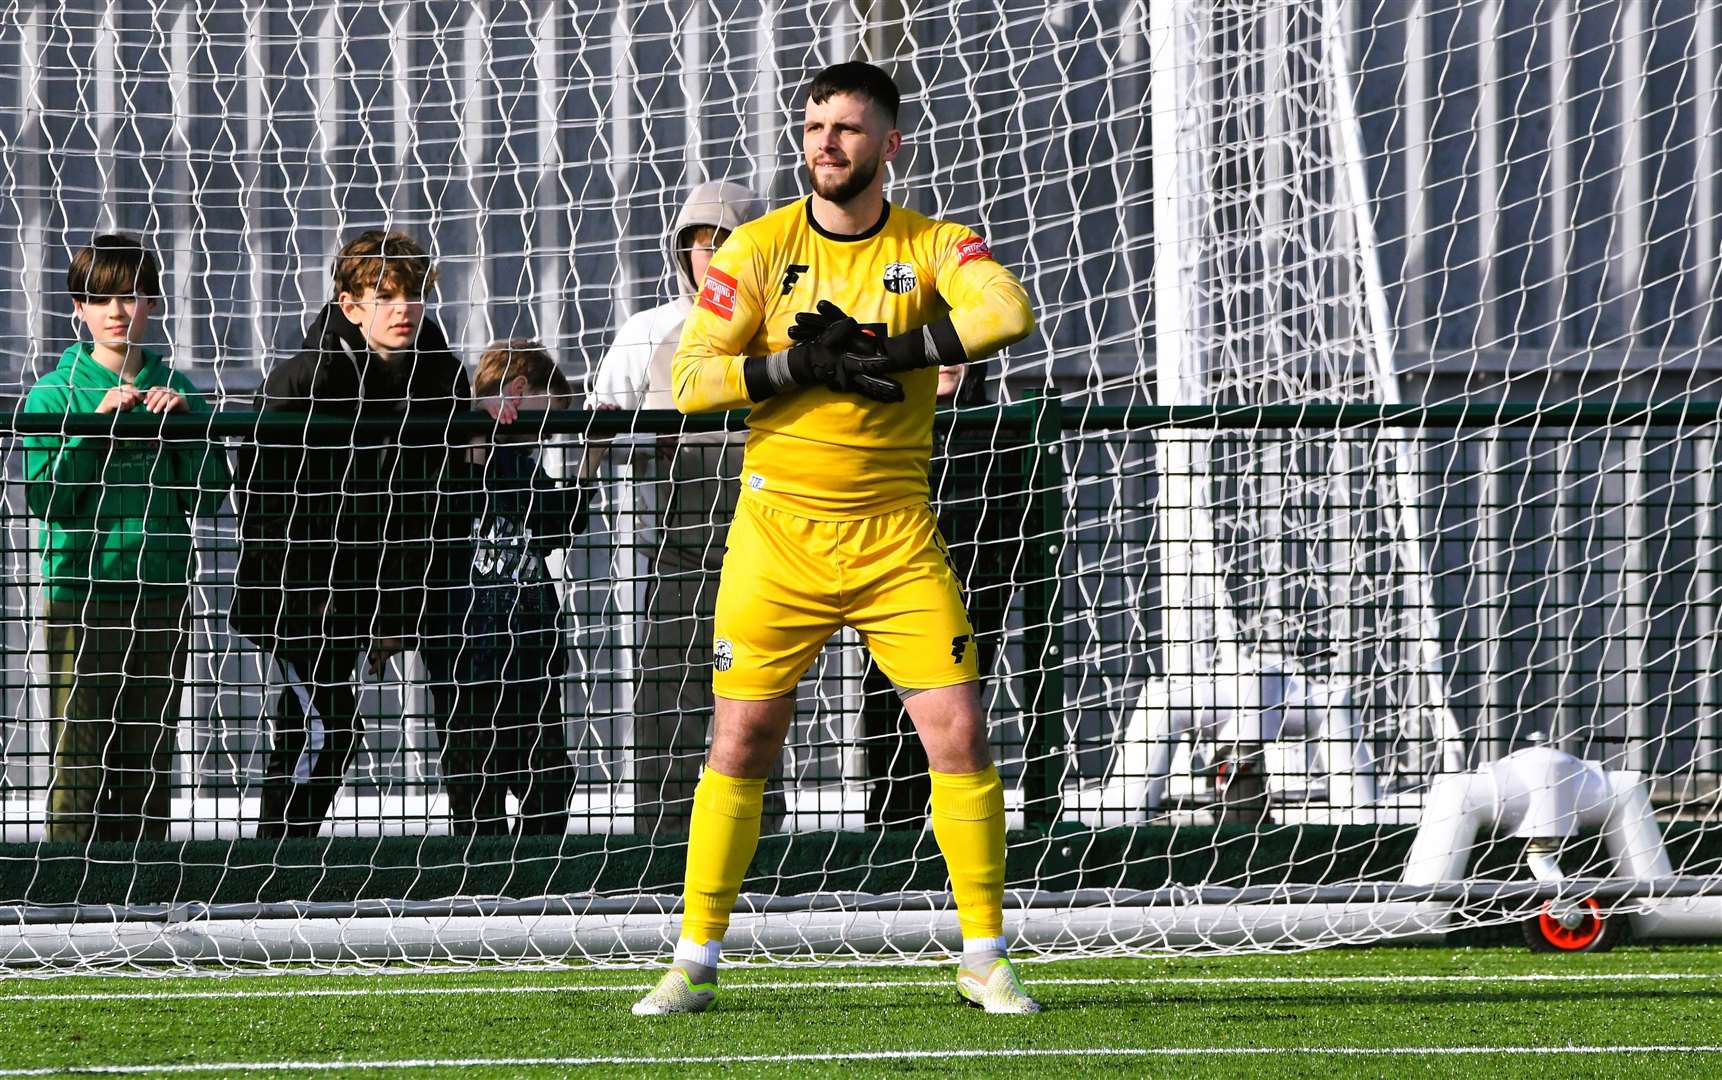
830	318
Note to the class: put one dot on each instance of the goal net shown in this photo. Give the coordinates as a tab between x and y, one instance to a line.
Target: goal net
1342	548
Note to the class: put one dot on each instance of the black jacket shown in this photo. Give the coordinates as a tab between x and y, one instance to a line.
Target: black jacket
499	613
335	530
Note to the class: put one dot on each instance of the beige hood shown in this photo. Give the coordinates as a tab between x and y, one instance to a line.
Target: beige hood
717	203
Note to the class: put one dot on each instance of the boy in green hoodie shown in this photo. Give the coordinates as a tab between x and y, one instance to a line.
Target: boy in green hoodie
116	554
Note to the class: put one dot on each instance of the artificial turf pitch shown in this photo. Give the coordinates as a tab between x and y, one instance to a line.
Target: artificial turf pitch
1381	1012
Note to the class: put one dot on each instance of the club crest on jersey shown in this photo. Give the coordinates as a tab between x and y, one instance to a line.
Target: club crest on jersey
723	654
971	249
718	294
900	278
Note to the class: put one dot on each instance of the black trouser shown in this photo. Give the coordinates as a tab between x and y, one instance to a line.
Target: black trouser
498	738
316	719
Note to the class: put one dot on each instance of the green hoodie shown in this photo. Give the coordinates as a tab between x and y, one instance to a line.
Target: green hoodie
116	513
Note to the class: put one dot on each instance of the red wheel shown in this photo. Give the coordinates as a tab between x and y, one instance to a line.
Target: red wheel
1590	933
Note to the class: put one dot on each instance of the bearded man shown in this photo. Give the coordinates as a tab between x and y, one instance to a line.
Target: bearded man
830	319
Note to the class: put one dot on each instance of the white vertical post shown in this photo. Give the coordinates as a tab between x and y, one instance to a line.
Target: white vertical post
1636	627
1566	720
1270	184
1172	76
180	211
256	233
549	200
623	140
404	199
474	160
107	115
1489	175
1416	161
200	695
1703	606
328	88
766	119
843	33
403	206
1495	550
26	182
693	47
1630	194
32	240
1560	193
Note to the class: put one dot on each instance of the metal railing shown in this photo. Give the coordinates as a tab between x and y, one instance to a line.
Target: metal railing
1570	554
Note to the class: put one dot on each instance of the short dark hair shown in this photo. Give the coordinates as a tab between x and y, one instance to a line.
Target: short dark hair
379	260
115	264
860	79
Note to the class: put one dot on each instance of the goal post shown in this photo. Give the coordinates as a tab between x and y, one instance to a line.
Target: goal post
1342	549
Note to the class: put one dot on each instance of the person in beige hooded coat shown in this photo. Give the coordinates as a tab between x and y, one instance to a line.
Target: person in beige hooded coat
693	482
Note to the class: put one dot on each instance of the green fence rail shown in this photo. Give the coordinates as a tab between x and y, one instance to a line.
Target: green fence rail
1570	552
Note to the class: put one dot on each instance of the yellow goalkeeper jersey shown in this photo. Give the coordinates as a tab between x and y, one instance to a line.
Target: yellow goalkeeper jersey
816	453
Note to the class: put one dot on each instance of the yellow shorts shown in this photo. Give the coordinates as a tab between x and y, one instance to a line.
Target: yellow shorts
789	583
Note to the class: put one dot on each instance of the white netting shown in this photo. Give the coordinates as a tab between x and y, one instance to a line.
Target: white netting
1311	624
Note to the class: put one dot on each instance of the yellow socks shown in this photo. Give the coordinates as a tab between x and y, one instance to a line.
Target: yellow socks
722	836
968	823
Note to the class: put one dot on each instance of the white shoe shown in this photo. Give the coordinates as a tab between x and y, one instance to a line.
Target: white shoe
676	993
997	991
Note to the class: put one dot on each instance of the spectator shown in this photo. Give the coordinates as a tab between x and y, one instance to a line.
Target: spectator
691	501
116	554
336	530
502	728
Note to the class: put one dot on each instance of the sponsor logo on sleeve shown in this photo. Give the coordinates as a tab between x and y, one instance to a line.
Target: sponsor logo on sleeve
723	654
718	295
900	278
971	249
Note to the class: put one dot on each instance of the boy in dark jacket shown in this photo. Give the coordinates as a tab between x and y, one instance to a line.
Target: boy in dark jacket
336	527
499	632
116	555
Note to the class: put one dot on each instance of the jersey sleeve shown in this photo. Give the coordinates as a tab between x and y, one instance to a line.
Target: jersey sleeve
989	307
706	375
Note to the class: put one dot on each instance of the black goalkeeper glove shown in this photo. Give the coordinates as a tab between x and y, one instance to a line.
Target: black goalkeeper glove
924	347
841	357
809	325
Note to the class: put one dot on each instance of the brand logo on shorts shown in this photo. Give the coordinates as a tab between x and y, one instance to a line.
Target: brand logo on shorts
959	646
723	654
756	481
899	278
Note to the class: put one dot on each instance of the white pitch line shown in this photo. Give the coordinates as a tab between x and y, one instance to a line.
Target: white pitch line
867	1055
873	984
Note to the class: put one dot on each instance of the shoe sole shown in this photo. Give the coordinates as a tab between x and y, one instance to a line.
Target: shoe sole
961	1000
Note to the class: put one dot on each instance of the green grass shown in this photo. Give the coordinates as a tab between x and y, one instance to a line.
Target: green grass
1093	1006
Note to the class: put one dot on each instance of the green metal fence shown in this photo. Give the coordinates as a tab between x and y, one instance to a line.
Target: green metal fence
1568	553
